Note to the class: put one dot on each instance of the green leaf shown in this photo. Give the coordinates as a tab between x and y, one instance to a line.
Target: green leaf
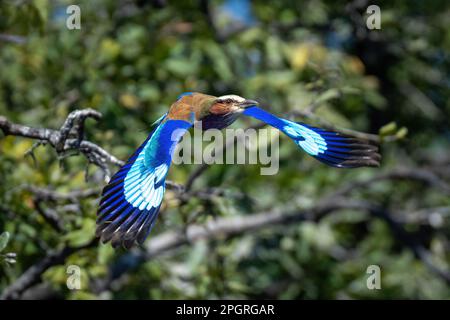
82	236
181	67
329	94
402	133
388	129
4	238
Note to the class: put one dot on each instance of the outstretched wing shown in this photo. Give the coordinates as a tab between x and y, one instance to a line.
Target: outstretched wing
329	147
130	202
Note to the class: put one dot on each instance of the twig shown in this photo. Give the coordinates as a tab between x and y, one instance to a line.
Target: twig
416	174
45	194
13	38
50	216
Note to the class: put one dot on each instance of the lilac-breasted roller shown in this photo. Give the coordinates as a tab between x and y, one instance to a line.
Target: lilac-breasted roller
130	202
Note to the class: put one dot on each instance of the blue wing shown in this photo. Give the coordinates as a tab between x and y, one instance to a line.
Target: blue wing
329	147
130	202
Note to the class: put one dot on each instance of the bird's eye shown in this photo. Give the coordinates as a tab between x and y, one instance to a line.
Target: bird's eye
229	101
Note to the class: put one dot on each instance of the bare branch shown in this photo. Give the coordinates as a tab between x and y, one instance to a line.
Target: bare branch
59	138
13	38
76	117
45	194
50	216
415	174
94	153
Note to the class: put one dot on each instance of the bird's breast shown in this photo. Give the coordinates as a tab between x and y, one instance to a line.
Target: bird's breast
217	121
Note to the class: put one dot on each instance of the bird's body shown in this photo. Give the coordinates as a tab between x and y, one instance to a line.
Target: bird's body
131	200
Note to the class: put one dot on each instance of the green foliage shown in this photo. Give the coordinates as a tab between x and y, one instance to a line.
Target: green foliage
4	238
130	62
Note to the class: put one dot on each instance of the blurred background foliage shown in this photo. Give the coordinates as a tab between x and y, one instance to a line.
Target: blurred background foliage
130	61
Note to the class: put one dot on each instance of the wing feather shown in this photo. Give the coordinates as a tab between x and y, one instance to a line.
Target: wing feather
131	201
329	147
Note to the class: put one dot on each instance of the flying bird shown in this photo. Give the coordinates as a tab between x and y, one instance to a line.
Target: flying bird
131	200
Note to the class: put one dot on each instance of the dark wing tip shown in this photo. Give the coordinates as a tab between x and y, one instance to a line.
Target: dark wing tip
125	226
345	151
117	238
362	154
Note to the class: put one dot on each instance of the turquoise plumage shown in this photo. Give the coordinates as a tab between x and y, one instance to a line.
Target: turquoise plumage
130	202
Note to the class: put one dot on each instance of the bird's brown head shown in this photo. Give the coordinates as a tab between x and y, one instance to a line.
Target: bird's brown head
210	111
223	111
230	103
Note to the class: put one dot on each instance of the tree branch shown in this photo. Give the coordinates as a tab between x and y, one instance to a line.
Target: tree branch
414	174
59	139
45	194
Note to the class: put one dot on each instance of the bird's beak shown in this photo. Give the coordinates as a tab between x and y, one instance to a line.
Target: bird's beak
248	103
